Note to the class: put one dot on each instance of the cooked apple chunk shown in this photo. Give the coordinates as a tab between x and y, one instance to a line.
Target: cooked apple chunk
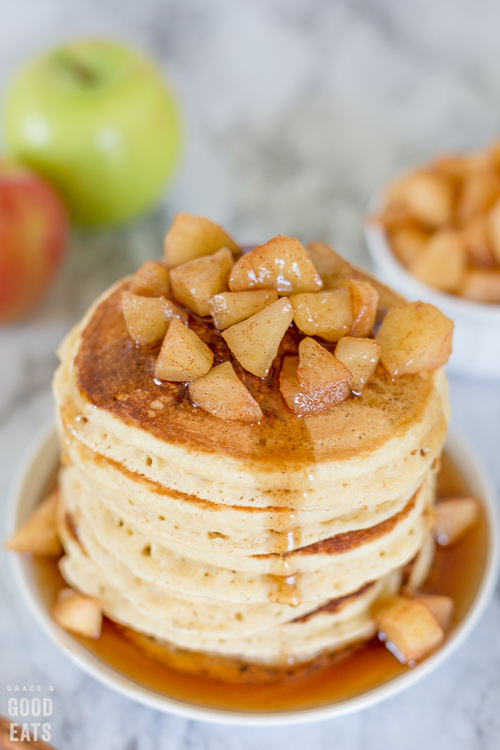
221	393
481	286
324	314
147	318
441	262
183	355
194	283
361	357
190	237
364	302
440	606
38	535
255	341
281	264
315	381
480	189
229	308
476	240
414	337
408	627
407	242
426	196
150	280
453	517
329	265
80	614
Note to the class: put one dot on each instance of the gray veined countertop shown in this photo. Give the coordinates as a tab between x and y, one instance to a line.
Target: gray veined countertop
296	111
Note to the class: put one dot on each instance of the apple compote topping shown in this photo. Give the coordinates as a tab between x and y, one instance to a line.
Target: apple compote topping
264	307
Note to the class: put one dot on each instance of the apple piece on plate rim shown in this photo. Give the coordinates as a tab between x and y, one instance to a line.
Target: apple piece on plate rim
150	280
191	237
414	337
38	535
229	308
408	627
324	314
361	357
442	261
281	264
183	355
147	318
329	265
221	393
77	613
255	341
196	282
453	517
364	302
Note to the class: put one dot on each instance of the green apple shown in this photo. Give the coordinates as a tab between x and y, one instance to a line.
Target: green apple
99	122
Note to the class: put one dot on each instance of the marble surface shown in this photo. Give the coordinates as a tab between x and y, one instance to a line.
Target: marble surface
295	111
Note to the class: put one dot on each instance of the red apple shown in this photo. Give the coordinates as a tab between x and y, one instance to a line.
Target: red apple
33	230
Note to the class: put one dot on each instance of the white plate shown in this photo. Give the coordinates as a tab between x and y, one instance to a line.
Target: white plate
476	338
28	492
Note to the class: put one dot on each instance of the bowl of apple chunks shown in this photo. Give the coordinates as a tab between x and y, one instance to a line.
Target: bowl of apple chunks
434	235
252	300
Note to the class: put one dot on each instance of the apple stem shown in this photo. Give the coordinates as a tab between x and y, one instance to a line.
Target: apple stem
84	73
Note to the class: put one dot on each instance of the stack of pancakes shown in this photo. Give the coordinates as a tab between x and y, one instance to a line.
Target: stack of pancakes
268	543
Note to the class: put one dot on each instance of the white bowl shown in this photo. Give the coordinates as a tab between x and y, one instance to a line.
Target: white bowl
476	338
30	488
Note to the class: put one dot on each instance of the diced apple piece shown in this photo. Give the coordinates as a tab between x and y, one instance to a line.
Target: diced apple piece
150	280
80	614
441	607
408	625
327	262
442	261
221	393
476	240
255	341
147	318
229	308
196	282
414	337
407	242
364	301
427	196
361	357
183	355
325	314
323	381
281	264
453	517
480	189
190	237
481	286
38	535
494	229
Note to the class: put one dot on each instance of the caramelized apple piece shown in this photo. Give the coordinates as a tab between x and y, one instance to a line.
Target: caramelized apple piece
281	264
191	237
150	280
325	314
221	393
481	286
453	517
494	229
407	242
476	240
183	355
255	341
147	318
480	189
38	535
360	356
307	402
414	337
229	308
408	625
78	613
441	607
427	196
364	301
442	261
329	265
196	282
323	380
